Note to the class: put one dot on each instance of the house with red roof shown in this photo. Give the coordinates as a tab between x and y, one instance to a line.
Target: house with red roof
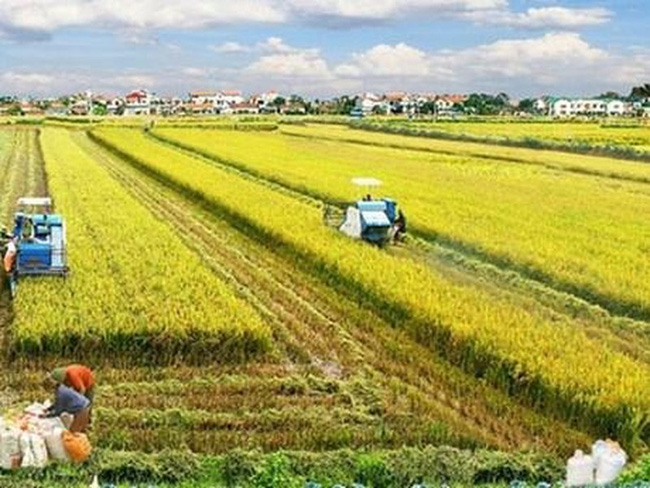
138	102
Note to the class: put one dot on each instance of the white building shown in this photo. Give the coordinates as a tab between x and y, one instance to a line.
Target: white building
203	97
565	107
265	101
243	108
371	102
617	107
590	106
445	103
231	97
561	108
217	102
138	102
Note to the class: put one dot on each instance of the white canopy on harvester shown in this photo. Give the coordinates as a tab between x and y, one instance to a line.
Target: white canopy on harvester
363	181
35	201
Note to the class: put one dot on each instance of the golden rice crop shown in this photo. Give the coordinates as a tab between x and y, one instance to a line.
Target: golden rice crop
594	165
583	234
550	362
573	132
134	288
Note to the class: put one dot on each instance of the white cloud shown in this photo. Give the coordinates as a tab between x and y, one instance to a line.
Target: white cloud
551	56
275	45
385	60
138	37
544	17
195	72
554	61
300	64
630	70
230	47
281	60
26	80
35	18
385	9
129	81
560	63
48	83
50	15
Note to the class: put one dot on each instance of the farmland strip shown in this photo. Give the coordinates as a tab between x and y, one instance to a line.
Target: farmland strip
410	143
627	152
633	335
148	309
527	220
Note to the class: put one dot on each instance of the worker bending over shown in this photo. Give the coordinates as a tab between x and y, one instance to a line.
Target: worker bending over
77	377
68	401
80	378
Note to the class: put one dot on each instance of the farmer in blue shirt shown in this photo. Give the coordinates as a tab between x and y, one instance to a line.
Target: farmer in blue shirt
69	401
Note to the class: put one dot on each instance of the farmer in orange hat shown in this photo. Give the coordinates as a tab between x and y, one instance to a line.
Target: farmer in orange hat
78	377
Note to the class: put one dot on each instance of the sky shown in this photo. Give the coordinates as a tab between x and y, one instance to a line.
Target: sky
324	48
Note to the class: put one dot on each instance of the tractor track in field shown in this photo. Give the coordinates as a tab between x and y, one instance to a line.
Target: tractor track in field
626	334
320	327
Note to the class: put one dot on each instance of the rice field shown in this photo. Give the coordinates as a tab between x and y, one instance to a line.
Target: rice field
224	318
581	234
589	165
157	300
539	356
624	134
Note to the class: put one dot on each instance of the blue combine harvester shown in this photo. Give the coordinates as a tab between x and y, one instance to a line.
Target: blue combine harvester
40	241
378	221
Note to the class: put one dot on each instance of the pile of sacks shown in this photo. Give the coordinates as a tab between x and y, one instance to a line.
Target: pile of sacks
31	441
601	467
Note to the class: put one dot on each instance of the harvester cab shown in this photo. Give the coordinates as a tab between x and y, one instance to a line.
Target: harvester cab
40	241
375	220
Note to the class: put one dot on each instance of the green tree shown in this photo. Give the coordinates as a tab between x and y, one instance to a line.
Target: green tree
485	104
609	94
279	101
345	104
527	105
640	92
99	110
15	110
428	107
7	99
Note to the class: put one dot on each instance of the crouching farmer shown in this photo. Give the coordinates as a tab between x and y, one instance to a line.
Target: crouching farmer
68	401
77	377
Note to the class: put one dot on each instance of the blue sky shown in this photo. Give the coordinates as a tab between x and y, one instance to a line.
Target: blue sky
324	47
